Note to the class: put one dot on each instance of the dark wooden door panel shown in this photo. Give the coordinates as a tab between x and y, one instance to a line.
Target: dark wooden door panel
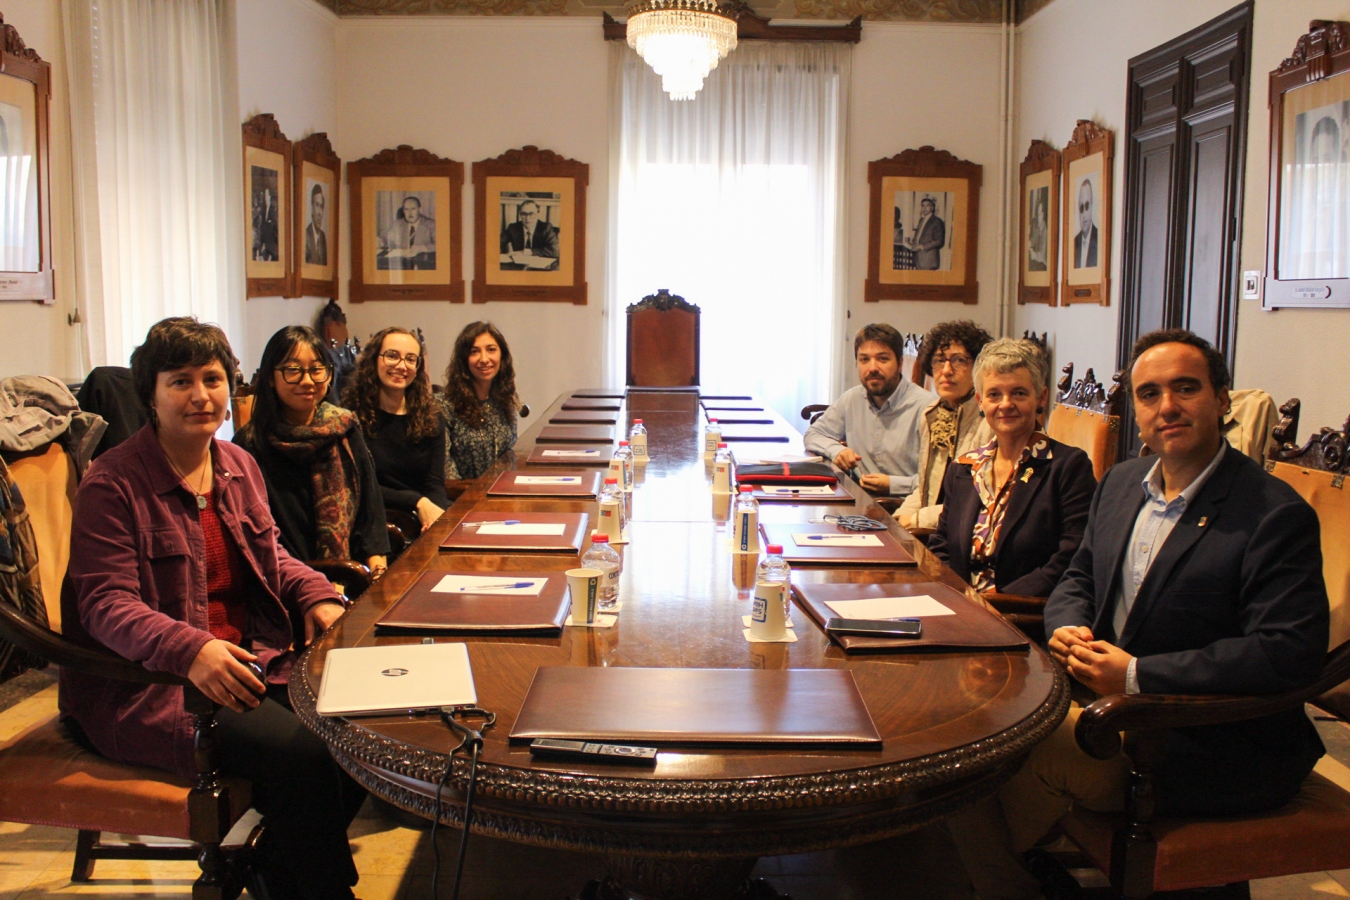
1210	241
1153	261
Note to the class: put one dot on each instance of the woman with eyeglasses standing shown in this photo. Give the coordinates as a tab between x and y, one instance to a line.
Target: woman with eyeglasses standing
952	424
320	479
480	401
390	392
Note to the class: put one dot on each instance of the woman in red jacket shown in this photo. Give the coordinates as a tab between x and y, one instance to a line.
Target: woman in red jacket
175	564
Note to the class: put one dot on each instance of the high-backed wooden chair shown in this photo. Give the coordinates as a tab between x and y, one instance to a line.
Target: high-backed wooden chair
1087	416
663	342
909	361
48	778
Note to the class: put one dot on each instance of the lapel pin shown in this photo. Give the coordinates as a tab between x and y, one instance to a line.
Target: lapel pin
1201	523
1026	476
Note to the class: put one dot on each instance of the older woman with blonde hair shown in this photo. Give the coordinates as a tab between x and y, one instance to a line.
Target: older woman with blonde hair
1015	508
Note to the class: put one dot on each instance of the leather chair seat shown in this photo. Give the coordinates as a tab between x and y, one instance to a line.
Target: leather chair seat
46	778
1304	835
1087	430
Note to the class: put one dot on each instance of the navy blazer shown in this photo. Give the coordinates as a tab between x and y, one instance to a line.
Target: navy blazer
1234	603
1041	528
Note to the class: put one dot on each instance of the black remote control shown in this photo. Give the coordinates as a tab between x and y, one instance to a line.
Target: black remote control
593	752
904	628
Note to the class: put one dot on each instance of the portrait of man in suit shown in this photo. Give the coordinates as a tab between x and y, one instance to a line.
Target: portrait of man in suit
1038	230
529	242
409	241
316	237
263	184
930	234
1085	241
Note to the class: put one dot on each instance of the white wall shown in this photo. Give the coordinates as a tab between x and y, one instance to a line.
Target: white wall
470	89
917	84
1073	63
287	52
1288	353
37	338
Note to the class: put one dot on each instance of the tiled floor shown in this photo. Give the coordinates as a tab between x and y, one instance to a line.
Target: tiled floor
395	861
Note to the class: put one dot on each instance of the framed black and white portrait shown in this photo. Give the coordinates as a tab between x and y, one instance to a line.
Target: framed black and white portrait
1038	242
267	209
406	231
316	177
1086	165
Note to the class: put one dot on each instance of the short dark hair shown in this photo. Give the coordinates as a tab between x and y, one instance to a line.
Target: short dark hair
882	334
1218	367
943	335
416	200
318	190
177	343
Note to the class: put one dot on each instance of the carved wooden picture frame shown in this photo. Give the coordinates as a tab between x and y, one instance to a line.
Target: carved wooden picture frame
927	203
25	203
529	219
1308	210
407	226
317	233
1038	232
1086	163
267	209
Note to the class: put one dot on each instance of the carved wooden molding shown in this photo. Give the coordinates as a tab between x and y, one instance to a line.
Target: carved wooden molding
317	144
1324	37
1041	340
929	162
530	160
1087	131
1088	394
663	301
406	155
263	127
1285	432
12	44
1325	451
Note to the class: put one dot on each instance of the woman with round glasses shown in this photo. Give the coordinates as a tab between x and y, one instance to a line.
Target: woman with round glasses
480	401
390	392
951	424
320	479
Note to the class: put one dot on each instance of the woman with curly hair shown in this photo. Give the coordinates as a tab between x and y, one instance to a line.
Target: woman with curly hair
390	392
480	401
320	479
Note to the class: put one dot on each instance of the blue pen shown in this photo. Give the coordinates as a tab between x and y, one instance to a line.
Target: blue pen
833	537
498	587
475	524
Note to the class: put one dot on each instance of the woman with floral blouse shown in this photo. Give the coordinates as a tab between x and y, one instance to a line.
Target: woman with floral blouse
480	401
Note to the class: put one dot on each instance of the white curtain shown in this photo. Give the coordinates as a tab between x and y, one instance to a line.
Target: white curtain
734	201
157	161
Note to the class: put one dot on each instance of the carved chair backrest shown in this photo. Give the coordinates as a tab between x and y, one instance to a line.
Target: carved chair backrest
663	342
47	480
1087	416
1318	472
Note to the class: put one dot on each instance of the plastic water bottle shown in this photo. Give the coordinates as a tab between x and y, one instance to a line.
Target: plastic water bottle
722	470
712	436
625	455
637	439
745	522
774	568
611	509
605	558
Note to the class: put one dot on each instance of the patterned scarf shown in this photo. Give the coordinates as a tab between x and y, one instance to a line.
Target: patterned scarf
943	432
994	500
324	445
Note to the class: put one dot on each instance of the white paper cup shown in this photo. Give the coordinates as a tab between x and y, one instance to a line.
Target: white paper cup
611	522
584	586
767	622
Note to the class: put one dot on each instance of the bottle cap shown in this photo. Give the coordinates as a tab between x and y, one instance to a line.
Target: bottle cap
721	444
637	421
599	538
611	481
712	421
775	549
747	488
623	443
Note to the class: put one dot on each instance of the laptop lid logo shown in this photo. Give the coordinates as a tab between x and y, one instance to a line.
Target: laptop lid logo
394	673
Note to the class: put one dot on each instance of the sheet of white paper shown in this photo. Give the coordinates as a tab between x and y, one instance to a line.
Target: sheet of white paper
524	528
836	540
571	453
782	490
489	584
547	479
890	608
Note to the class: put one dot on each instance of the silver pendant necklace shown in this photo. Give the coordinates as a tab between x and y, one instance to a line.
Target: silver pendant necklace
199	494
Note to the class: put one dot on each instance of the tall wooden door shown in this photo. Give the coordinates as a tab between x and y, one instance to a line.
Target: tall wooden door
1185	152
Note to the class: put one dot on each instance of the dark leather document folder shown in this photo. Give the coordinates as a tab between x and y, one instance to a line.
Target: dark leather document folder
972	628
591	403
741	420
696	706
884	551
599	393
583	417
576	434
526	483
423	610
710	408
466	536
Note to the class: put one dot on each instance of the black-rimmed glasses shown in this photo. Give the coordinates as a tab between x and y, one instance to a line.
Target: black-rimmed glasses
959	363
392	358
318	373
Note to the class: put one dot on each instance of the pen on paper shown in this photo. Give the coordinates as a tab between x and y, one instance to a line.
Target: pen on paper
509	585
502	522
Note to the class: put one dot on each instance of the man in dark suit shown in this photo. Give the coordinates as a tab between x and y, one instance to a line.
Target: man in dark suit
1085	241
1198	574
930	233
316	238
530	241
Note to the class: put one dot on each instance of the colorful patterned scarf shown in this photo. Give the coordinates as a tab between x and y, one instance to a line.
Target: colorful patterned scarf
334	478
994	500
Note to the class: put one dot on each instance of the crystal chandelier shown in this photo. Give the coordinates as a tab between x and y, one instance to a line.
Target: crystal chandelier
682	40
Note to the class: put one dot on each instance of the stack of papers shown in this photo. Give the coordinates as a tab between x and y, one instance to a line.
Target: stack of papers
915	607
836	540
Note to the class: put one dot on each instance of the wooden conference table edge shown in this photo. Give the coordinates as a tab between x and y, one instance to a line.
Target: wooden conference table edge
559	807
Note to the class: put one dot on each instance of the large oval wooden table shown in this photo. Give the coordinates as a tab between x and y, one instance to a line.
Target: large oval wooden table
954	725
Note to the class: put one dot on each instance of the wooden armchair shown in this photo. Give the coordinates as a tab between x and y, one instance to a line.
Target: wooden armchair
663	342
1142	854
